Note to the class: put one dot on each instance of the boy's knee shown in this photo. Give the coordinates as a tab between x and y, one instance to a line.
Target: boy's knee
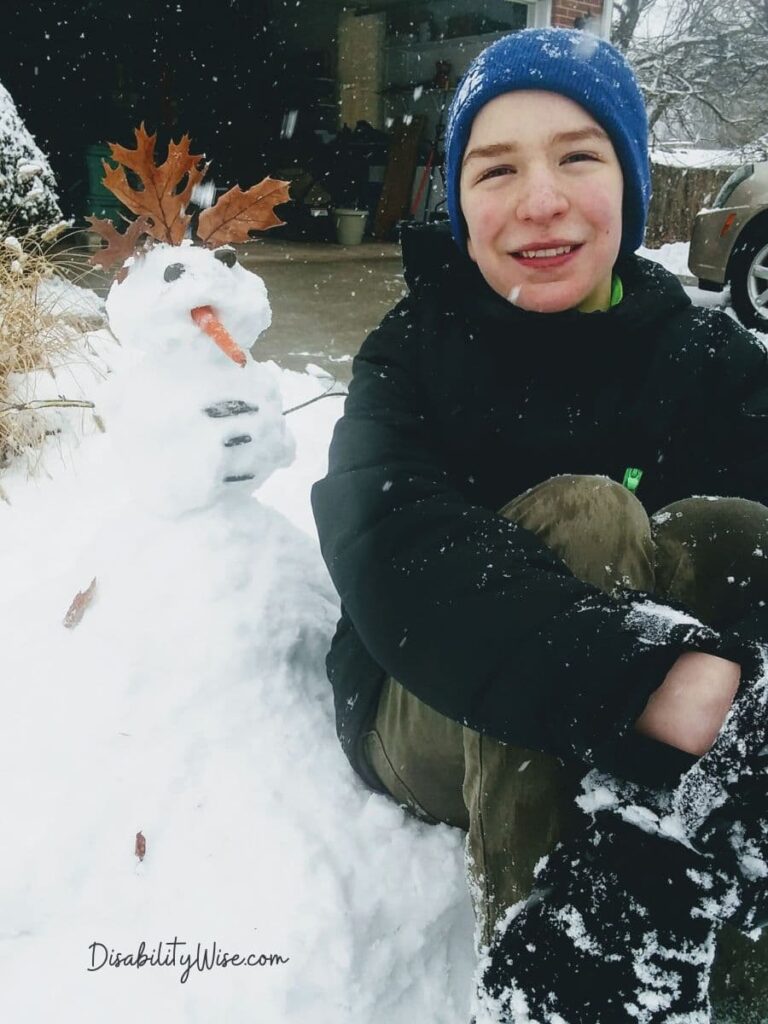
597	526
712	555
710	519
576	498
713	532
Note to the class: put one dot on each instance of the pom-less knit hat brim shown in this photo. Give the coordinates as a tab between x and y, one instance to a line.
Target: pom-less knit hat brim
574	64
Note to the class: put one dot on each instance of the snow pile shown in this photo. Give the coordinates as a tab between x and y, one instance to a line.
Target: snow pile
191	704
28	196
71	302
696	157
672	255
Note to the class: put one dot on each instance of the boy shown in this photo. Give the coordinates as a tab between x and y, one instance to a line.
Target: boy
491	651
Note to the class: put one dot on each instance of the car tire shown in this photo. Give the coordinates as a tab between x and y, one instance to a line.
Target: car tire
749	280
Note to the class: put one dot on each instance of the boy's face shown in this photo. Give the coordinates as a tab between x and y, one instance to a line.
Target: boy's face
539	173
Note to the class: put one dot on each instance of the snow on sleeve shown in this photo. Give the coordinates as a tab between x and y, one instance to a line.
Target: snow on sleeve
656	621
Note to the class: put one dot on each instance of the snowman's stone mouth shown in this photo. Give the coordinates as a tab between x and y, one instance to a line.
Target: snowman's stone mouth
229	408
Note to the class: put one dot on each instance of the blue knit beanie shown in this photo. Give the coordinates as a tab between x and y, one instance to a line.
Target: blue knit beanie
575	64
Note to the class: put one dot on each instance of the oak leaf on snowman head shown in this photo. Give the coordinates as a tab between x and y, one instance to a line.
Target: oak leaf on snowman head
160	204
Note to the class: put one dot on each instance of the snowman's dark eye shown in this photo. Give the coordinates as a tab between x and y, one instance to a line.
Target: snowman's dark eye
226	256
174	271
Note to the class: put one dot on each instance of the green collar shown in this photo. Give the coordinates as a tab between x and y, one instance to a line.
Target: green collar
617	291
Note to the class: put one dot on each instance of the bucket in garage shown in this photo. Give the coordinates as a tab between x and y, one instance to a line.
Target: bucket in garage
350	225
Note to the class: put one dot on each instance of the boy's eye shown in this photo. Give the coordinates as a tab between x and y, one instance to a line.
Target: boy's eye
495	172
575	157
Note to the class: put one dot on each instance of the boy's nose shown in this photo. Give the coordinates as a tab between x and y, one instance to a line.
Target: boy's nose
541	199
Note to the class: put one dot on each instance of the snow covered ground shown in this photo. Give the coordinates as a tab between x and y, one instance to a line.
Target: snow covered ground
190	704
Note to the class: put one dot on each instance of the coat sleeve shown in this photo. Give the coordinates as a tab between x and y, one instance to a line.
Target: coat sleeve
738	433
470	612
738	446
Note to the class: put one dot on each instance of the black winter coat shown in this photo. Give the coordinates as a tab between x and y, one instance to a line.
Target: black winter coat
459	402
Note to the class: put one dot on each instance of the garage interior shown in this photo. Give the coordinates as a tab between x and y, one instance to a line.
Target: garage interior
344	98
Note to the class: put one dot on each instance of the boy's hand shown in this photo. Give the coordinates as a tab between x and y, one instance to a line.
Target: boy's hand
689	708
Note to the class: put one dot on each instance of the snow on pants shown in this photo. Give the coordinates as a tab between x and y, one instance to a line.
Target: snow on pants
516	803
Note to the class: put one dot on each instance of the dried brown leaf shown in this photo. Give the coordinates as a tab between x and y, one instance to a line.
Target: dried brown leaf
141	846
161	197
80	602
239	212
120	245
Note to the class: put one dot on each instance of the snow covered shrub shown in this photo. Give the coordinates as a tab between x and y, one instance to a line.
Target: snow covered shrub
28	199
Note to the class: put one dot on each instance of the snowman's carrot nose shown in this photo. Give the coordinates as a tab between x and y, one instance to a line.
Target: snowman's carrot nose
207	321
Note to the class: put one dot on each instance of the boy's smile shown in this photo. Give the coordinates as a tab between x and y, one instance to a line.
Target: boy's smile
541	193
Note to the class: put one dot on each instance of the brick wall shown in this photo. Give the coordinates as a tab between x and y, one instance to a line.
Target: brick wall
565	11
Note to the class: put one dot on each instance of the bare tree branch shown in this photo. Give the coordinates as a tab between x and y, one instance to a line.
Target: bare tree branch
704	72
627	13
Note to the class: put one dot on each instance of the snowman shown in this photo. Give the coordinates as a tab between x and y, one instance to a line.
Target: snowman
195	419
197	423
197	426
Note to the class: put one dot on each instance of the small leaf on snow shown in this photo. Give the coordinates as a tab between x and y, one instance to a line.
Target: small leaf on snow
141	845
239	212
81	601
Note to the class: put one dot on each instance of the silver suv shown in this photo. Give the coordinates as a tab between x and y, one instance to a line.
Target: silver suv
729	244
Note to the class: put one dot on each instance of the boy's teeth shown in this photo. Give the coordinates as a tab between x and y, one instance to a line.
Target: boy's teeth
533	253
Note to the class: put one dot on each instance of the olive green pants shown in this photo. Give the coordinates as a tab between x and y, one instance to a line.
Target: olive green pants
514	803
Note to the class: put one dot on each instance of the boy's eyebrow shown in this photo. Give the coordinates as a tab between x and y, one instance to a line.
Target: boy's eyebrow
502	148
